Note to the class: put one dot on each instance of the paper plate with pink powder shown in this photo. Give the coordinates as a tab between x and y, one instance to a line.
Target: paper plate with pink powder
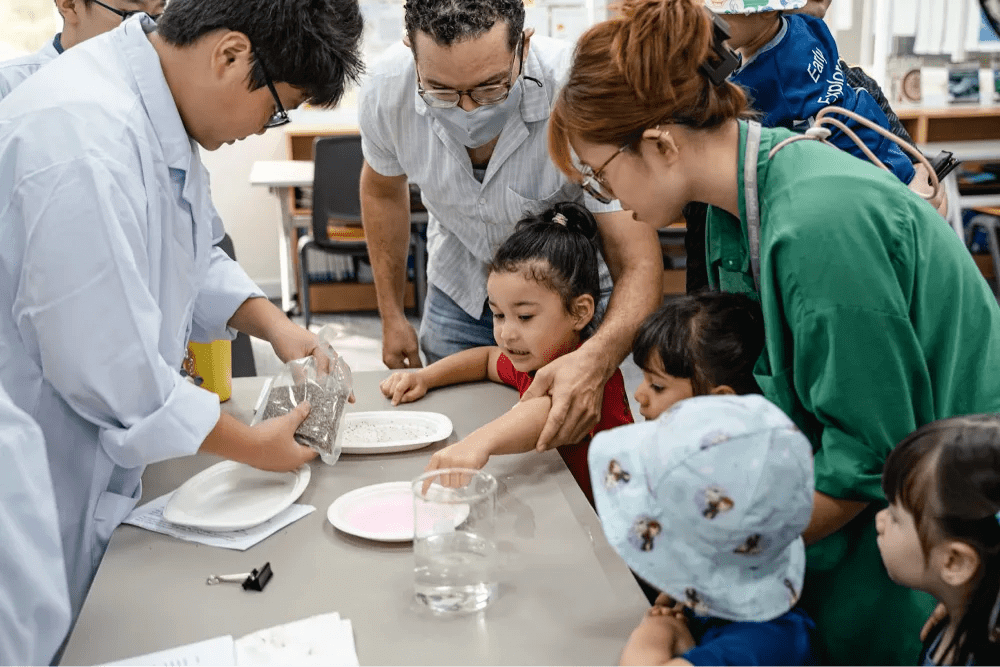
382	512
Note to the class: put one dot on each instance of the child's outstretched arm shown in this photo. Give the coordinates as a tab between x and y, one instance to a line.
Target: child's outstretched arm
472	365
514	432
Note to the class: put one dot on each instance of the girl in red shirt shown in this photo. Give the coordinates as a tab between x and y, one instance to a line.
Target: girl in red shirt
543	289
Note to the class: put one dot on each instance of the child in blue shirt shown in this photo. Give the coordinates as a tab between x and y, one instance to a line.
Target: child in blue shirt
707	503
791	69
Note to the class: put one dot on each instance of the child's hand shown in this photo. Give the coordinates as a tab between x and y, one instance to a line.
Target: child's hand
403	387
468	453
673	621
665	604
662	635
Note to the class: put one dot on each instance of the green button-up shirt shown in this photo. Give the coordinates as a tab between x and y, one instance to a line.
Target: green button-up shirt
877	322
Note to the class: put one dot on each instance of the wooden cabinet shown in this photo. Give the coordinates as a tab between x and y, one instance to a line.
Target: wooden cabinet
952	126
954	123
327	297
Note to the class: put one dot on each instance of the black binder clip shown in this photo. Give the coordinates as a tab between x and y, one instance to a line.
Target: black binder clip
730	61
255	580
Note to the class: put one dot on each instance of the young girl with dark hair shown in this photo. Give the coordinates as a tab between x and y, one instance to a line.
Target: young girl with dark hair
697	345
543	288
877	319
941	532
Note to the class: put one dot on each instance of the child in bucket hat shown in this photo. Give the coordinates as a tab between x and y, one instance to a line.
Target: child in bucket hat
708	503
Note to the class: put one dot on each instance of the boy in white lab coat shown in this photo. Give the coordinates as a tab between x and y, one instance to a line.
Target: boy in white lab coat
34	603
82	19
107	259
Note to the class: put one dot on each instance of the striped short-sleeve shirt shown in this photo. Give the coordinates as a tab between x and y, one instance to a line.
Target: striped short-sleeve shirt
469	219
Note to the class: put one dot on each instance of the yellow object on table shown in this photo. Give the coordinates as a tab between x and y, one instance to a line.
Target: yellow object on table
213	364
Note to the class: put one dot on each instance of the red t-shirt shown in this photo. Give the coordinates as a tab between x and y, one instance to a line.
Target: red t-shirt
614	412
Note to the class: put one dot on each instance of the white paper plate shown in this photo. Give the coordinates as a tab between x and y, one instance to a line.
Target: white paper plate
234	496
387	431
382	512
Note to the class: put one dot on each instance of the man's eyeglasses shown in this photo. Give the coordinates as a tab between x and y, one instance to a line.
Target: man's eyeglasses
593	179
280	116
446	98
125	13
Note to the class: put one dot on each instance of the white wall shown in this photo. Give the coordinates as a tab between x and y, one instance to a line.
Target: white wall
251	215
25	25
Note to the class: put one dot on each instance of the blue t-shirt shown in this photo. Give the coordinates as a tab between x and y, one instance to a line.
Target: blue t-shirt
798	73
782	641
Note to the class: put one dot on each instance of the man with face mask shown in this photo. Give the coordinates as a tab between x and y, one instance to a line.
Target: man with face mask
461	108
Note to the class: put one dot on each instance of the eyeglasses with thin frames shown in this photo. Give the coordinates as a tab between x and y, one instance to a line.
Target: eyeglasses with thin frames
593	179
280	116
125	13
447	98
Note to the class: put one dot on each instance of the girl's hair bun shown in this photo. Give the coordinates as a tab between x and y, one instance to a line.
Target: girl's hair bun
575	217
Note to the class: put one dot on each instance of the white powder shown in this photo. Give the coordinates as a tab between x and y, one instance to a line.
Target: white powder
365	431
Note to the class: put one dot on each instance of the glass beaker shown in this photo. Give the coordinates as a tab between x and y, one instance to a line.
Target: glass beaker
454	515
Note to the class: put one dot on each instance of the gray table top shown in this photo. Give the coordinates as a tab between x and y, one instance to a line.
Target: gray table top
565	595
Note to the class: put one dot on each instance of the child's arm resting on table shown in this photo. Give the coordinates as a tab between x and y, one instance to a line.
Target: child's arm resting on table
514	432
472	365
661	636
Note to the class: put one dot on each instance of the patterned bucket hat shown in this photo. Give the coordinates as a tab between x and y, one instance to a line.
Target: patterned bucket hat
708	503
753	6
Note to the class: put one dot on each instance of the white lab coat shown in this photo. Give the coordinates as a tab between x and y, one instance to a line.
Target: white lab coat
34	602
107	269
13	72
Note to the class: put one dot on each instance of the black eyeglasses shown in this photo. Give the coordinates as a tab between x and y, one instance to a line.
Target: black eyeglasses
125	13
447	98
280	116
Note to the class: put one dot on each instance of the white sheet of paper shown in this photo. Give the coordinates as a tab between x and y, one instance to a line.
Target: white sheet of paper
924	41
904	18
568	23
954	27
150	517
325	639
842	15
216	651
537	18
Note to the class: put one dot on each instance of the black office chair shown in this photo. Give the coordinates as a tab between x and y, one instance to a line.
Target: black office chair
337	199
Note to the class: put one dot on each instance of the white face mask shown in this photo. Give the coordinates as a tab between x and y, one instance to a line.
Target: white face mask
481	125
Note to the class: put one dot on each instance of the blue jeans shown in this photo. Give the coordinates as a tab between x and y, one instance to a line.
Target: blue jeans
446	329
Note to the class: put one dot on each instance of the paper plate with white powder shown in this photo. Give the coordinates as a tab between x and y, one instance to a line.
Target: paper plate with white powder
387	431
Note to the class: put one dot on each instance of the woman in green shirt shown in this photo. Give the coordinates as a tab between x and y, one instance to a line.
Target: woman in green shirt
877	320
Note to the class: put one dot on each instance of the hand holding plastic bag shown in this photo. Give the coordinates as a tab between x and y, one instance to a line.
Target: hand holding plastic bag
327	393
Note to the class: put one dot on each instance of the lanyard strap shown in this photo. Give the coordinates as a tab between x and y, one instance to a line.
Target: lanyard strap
751	201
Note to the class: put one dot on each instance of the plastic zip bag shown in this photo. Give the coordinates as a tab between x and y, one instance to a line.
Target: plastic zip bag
327	393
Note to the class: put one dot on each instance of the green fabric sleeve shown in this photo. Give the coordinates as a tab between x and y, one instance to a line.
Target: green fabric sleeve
862	375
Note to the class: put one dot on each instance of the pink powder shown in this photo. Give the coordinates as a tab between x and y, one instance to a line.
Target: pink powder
393	513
